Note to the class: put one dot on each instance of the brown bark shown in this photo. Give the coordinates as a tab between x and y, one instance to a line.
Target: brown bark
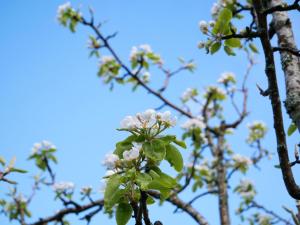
290	62
222	184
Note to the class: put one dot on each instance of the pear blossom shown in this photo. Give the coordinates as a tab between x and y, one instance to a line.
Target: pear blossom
21	198
203	26
146	77
86	190
215	9
133	153
135	51
227	77
63	187
42	146
194	123
62	9
246	189
188	94
241	159
201	44
110	160
166	117
212	23
106	59
129	122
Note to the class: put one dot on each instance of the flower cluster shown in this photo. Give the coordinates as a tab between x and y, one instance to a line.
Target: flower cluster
86	190
140	50
63	187
148	119
241	160
218	6
109	68
226	78
257	131
141	55
42	146
246	190
68	16
62	9
215	93
194	123
188	94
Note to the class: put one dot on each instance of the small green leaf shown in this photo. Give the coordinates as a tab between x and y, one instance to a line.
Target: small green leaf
222	23
253	48
155	149
174	157
123	213
143	179
180	143
17	170
292	129
229	51
233	42
124	145
215	47
111	190
2	161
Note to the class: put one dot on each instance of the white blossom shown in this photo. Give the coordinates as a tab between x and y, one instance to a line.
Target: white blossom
227	77
110	160
201	44
63	187
147	119
62	9
246	189
86	190
21	198
215	9
135	51
194	123
240	159
167	118
42	146
188	94
106	59
212	23
133	153
146	77
203	26
146	48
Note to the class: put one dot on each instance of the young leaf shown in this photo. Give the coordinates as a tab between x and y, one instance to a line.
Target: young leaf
174	157
155	149
253	48
222	24
233	42
215	47
123	213
111	190
292	129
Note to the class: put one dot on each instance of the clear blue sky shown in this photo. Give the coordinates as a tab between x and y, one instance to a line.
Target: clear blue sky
49	90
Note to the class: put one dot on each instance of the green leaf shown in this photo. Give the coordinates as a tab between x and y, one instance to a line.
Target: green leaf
215	47
143	179
174	157
155	150
2	161
17	170
229	51
253	48
124	145
180	143
233	42
292	129
123	213
111	190
222	23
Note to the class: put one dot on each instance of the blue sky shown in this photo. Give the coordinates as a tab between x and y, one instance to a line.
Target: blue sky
49	90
